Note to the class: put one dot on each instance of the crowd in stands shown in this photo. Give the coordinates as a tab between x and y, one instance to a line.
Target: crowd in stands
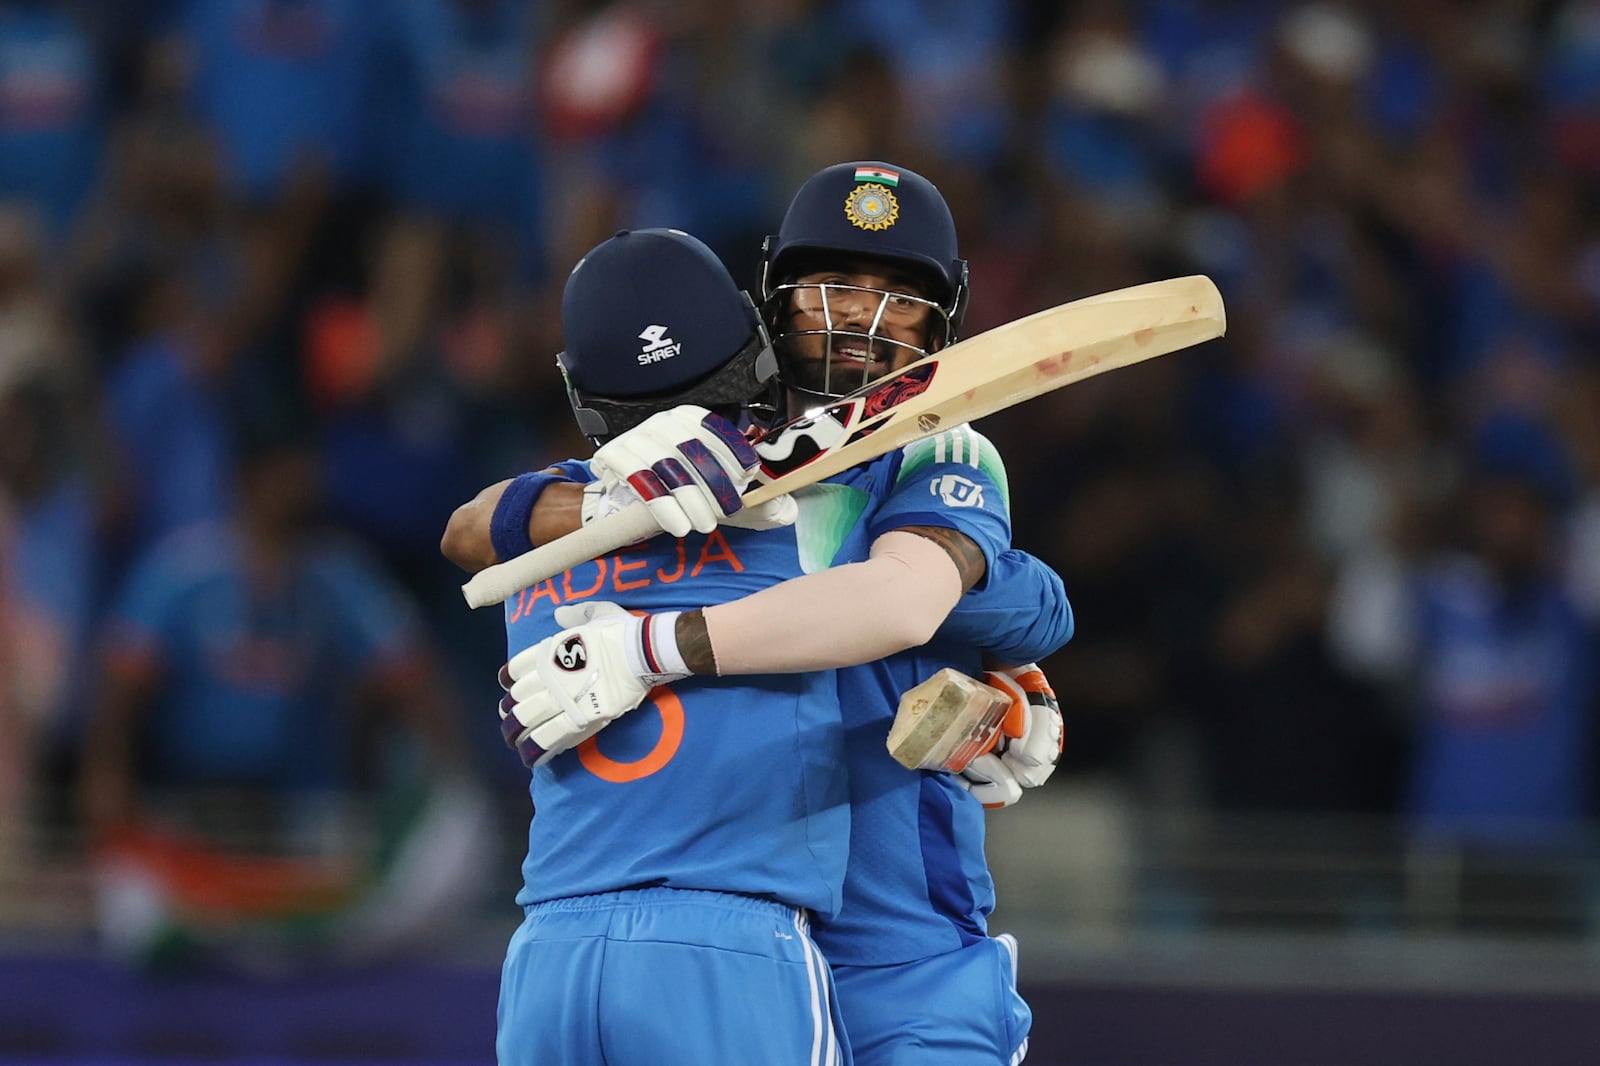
279	288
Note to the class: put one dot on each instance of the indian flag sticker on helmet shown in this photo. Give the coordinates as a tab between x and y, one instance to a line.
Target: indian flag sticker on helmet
881	175
871	206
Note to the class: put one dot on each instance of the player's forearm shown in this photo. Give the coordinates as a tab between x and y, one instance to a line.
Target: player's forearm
843	616
468	539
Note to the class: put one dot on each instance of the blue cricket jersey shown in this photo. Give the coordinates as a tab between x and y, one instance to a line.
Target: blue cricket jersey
917	883
723	784
253	675
1505	683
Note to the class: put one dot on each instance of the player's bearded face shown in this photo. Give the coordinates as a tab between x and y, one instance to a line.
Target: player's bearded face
846	328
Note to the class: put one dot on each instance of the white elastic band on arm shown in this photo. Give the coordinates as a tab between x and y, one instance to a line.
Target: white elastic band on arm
843	616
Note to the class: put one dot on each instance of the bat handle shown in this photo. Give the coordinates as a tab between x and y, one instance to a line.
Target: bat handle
498	583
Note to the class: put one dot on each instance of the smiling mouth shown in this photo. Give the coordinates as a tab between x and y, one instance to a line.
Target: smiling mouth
852	355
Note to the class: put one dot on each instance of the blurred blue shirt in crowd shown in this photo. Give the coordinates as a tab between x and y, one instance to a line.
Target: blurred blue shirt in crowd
50	122
285	84
459	91
255	678
171	432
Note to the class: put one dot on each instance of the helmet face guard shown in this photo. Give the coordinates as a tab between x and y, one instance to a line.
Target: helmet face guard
867	212
826	378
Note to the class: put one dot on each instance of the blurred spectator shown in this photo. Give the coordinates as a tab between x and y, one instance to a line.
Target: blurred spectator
1498	663
51	108
287	87
459	95
948	60
49	507
257	676
168	416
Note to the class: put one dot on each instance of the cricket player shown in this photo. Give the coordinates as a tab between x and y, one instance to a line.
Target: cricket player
673	865
894	549
918	978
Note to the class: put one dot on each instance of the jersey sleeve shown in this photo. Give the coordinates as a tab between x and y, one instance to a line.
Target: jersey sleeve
953	480
1020	614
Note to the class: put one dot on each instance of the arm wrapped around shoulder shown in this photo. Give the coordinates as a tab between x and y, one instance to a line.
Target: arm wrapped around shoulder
842	616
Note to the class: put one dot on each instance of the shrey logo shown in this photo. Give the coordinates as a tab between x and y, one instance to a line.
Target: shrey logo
572	655
657	345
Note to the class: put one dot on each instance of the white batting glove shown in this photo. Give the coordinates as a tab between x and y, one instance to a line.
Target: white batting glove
773	514
689	466
1028	745
568	687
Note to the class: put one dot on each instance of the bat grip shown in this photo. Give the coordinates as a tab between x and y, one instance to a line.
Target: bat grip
498	583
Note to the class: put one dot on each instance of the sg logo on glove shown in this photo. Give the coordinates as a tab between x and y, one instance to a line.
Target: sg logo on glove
571	654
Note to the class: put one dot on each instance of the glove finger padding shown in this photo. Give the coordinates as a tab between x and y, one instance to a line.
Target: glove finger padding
1031	735
991	782
687	464
568	687
538	730
770	515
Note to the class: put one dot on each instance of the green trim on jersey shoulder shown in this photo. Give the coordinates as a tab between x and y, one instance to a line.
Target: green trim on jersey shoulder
963	444
828	513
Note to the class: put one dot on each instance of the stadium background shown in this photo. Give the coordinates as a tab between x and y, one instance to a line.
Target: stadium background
1288	829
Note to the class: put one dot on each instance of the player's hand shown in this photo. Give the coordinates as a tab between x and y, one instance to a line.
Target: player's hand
689	466
1028	744
568	687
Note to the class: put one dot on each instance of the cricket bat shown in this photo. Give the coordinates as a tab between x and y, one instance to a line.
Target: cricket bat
962	383
946	722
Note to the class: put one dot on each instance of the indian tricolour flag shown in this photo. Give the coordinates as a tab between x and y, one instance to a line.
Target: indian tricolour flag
878	174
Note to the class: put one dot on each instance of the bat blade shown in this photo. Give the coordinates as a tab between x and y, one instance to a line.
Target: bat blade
976	377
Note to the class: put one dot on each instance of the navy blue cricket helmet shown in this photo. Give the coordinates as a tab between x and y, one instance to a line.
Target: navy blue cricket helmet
652	319
872	209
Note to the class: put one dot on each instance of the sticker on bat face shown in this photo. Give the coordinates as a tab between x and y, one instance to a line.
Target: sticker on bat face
894	391
793	445
571	655
956	491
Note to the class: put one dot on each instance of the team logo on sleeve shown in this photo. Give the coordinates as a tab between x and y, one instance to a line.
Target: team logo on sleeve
956	491
871	206
571	654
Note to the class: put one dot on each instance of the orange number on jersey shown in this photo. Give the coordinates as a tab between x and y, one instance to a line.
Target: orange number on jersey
608	769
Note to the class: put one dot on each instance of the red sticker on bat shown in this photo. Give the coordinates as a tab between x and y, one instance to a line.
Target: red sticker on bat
897	390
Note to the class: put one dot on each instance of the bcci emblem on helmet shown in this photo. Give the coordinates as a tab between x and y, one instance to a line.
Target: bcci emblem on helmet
871	206
571	655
